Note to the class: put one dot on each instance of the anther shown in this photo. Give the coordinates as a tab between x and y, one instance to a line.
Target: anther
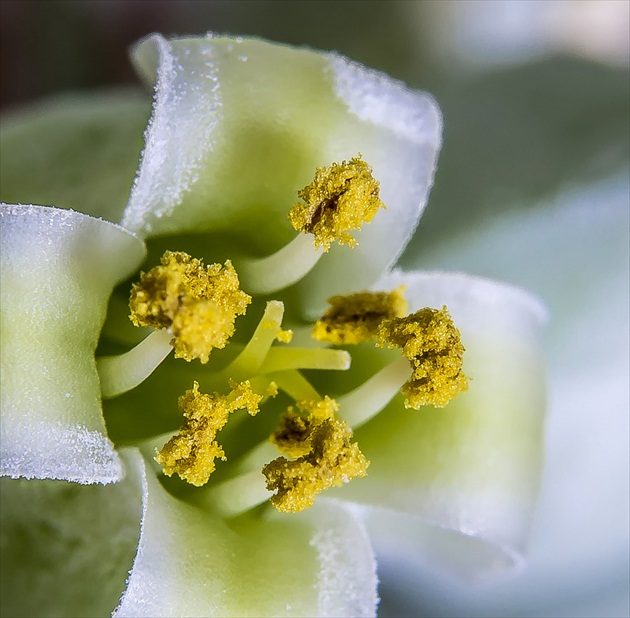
197	304
355	318
432	343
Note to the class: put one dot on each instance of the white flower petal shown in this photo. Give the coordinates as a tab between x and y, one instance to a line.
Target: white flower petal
192	563
58	270
574	253
474	467
347	569
239	127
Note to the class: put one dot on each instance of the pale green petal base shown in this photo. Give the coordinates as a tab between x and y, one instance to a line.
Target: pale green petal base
66	549
473	468
192	563
58	270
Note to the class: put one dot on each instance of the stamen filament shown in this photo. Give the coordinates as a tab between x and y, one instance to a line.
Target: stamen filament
295	385
121	373
249	361
244	491
280	269
281	359
236	495
367	400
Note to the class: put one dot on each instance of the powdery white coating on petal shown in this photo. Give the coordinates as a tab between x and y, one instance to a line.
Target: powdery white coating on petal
347	580
372	96
58	270
55	451
133	588
179	135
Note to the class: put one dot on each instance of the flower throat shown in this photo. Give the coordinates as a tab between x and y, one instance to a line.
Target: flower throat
194	309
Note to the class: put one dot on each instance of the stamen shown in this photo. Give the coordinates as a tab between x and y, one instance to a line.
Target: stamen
191	453
340	199
248	489
236	495
327	457
432	343
198	304
355	318
119	374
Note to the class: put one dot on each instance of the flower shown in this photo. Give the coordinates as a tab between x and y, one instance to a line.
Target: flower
238	129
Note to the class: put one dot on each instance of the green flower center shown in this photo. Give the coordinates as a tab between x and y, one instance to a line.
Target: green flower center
194	309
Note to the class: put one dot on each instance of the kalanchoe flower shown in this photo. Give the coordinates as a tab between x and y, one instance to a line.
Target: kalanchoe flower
239	130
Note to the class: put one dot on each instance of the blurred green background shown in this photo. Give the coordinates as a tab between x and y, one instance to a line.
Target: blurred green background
534	93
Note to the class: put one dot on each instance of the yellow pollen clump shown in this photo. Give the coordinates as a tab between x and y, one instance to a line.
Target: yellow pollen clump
432	343
191	453
321	453
198	303
355	318
340	199
292	437
284	336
